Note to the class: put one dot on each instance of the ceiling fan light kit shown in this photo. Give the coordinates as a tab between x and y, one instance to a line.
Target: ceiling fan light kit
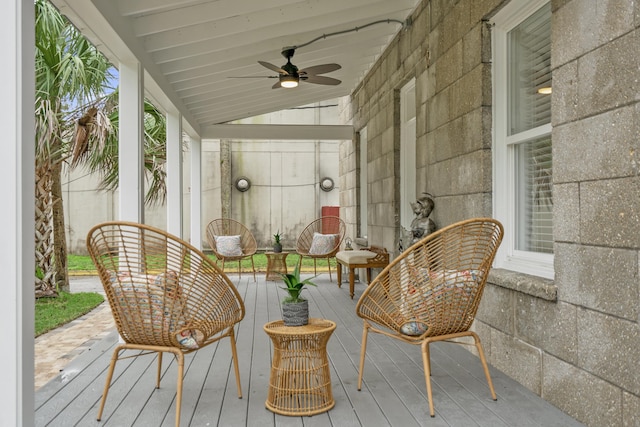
289	76
289	81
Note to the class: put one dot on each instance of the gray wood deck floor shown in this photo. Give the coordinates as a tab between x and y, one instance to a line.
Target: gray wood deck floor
393	392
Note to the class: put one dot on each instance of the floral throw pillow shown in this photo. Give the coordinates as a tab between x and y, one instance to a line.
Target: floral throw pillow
155	302
228	245
322	243
414	328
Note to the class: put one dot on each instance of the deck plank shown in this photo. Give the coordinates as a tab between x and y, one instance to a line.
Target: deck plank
393	392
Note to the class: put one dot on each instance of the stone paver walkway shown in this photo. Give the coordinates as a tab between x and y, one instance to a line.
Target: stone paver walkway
55	349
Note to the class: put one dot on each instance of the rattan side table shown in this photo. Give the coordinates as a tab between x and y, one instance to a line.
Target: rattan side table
276	264
300	382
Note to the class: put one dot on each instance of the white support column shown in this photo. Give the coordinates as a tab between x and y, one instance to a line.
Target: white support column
17	175
131	143
174	174
196	192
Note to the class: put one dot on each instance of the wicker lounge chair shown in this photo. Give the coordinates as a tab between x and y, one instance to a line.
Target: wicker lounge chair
321	240
165	296
432	290
230	240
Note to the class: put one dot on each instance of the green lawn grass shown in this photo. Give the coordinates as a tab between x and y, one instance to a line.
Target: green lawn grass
82	264
53	312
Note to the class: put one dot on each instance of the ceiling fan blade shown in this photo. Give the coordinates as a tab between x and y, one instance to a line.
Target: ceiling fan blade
272	67
252	77
321	80
276	85
320	69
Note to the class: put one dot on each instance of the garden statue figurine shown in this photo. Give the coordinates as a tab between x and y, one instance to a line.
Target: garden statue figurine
422	225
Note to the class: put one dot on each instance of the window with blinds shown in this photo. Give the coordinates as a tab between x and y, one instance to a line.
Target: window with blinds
534	196
529	71
529	115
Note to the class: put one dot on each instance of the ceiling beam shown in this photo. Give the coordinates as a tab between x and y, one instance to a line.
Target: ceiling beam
279	132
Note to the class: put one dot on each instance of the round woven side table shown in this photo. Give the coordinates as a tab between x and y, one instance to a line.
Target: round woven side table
300	382
276	264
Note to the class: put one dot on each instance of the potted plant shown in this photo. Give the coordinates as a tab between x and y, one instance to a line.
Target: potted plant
295	310
277	246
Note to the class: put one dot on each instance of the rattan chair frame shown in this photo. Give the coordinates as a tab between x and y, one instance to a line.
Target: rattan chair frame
438	281
230	227
334	225
161	289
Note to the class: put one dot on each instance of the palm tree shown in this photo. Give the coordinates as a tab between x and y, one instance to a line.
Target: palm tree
69	72
96	146
74	118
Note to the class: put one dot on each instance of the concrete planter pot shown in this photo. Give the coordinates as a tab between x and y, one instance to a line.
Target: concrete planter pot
295	313
277	248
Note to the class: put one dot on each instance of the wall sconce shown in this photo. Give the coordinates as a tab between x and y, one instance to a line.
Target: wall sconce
326	184
243	184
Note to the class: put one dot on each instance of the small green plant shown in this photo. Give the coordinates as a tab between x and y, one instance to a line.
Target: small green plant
276	237
295	285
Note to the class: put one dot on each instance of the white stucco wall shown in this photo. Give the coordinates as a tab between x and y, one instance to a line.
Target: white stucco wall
285	175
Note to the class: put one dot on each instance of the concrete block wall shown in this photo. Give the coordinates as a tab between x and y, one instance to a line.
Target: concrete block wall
574	340
596	142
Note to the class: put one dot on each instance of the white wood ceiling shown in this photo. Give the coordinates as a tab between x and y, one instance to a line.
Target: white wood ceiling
191	49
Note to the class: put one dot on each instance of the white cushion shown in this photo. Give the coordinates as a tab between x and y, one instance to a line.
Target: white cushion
228	245
322	243
355	257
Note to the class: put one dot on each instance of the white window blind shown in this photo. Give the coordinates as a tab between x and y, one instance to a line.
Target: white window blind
534	198
529	71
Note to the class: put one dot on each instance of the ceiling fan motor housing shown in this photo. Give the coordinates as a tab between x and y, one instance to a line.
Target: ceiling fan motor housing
291	78
291	69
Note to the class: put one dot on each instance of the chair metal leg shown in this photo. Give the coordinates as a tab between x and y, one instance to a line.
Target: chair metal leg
484	364
363	350
253	267
426	362
299	262
107	384
180	358
159	373
236	366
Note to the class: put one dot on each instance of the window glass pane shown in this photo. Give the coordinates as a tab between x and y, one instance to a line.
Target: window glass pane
529	72
407	152
534	196
363	182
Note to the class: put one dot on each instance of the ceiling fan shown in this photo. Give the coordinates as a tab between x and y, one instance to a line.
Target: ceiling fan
289	76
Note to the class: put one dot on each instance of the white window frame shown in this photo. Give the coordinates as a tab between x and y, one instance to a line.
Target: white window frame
538	264
364	184
407	152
